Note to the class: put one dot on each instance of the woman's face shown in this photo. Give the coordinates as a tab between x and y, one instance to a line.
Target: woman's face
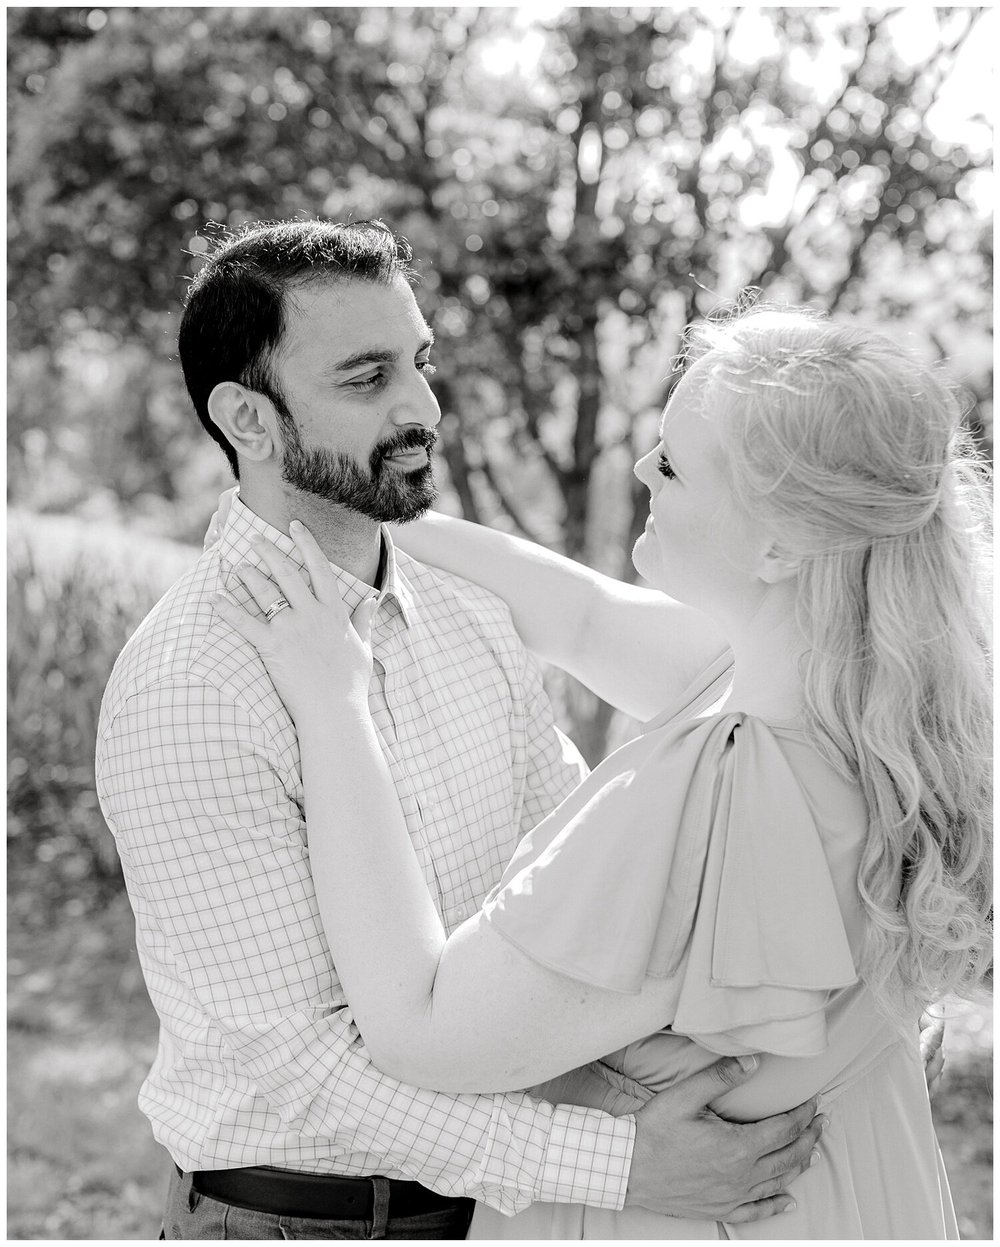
696	546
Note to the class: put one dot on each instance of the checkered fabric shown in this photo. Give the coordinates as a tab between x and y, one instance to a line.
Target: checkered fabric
259	1061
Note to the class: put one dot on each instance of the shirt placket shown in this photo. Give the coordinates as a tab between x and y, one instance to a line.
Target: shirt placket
391	701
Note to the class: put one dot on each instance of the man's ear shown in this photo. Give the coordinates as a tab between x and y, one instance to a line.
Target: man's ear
774	565
246	419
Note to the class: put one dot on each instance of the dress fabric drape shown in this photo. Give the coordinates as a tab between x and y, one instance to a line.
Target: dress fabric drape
721	855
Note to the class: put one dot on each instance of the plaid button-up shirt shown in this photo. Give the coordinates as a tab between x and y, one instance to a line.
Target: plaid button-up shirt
259	1061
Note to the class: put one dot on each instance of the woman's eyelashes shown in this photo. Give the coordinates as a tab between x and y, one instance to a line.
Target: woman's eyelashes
664	468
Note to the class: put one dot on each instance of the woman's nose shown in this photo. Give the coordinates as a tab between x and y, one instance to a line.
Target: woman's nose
645	471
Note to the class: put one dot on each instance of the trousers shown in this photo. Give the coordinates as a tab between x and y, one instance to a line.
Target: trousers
191	1215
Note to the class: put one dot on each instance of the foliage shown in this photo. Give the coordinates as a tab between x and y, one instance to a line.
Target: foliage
74	597
82	1035
571	215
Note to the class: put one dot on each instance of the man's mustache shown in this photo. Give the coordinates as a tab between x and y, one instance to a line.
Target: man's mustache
408	439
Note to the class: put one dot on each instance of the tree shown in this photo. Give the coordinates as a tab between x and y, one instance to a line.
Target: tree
571	215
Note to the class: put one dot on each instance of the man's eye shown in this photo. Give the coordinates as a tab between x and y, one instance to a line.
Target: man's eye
426	367
663	466
369	383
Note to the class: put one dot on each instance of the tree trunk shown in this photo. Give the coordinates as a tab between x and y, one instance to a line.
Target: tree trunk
577	482
453	449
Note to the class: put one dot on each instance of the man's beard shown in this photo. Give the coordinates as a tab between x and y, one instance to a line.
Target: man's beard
383	492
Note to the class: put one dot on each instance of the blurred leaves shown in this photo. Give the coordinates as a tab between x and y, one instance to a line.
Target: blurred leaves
647	164
74	597
576	186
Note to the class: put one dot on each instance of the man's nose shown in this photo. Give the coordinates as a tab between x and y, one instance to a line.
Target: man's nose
418	405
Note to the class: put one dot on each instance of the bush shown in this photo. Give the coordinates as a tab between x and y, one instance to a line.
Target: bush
75	594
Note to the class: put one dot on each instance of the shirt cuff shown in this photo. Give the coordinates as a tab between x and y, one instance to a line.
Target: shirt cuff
587	1159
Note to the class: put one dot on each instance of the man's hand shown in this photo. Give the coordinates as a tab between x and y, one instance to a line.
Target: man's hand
932	1050
688	1162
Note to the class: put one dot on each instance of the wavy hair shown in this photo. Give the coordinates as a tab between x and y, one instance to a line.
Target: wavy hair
853	451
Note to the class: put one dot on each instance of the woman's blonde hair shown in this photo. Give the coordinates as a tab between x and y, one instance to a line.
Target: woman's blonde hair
853	451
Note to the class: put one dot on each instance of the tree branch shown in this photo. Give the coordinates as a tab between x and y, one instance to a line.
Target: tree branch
507	503
709	130
533	408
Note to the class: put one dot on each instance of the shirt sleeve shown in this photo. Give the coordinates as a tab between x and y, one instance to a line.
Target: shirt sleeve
200	799
554	765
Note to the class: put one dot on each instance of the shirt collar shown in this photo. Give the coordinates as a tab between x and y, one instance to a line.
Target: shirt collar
394	581
243	525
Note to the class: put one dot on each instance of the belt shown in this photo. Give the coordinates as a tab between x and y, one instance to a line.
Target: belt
327	1197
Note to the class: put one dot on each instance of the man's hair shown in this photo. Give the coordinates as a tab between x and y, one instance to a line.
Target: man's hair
237	306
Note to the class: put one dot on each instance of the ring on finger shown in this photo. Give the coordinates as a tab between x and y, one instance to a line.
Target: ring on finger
276	607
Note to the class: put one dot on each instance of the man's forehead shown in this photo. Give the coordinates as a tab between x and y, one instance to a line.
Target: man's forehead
355	310
350	293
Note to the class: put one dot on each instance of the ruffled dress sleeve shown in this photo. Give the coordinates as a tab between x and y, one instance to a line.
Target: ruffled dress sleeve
691	854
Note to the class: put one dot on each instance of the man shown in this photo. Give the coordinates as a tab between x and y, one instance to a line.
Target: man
307	359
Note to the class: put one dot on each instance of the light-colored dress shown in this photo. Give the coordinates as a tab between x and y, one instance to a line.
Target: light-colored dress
722	854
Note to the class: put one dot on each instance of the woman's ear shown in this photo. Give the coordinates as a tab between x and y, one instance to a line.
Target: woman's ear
775	566
245	418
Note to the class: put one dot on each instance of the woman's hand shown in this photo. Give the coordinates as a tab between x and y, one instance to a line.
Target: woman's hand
315	653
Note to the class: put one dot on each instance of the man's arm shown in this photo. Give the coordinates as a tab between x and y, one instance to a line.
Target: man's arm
213	844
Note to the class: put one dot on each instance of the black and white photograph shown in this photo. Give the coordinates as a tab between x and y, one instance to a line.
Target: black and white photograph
499	585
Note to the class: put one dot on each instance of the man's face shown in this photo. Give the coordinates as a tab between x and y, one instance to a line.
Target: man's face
360	426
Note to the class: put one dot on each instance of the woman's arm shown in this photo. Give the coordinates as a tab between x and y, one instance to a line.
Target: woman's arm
459	1014
636	648
469	1013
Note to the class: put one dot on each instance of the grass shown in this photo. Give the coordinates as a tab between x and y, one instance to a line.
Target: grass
82	1034
82	1164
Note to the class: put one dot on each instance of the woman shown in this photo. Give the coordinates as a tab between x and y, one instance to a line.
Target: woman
795	876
